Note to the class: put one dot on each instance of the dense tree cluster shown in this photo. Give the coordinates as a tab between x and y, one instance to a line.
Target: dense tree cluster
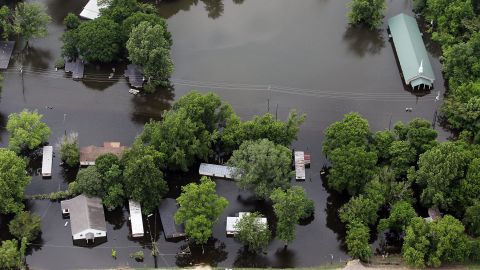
446	176
13	180
368	12
69	149
252	232
27	131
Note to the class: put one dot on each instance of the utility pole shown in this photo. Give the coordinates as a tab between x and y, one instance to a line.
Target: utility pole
64	123
269	96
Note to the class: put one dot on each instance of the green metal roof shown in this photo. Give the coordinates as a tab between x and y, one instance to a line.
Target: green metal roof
411	52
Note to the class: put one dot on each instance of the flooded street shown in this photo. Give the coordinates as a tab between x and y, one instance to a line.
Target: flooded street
269	55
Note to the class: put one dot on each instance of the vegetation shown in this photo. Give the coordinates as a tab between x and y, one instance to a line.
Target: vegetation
290	206
368	12
199	210
357	239
262	167
139	255
253	233
69	149
27	131
13	180
9	255
98	40
71	21
401	215
25	225
30	21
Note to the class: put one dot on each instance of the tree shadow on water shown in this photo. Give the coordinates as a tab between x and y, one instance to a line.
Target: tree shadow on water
151	106
246	259
214	253
285	258
362	40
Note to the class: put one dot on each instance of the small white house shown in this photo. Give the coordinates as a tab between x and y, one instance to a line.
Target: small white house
219	171
47	161
87	218
136	219
91	10
232	222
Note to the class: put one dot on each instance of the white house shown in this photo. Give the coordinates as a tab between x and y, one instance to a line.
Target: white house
136	219
232	222
47	161
87	218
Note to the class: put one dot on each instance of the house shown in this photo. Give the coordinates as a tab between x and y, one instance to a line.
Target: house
218	171
87	218
412	54
47	161
6	49
91	10
89	154
168	207
232	222
136	220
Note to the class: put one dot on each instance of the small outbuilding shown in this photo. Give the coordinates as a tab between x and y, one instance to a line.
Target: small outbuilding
136	220
76	67
168	207
91	10
232	222
219	171
87	218
89	154
47	161
412	54
6	49
135	76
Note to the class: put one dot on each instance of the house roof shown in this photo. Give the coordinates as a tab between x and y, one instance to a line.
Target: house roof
215	170
85	213
411	51
91	153
167	210
6	49
92	10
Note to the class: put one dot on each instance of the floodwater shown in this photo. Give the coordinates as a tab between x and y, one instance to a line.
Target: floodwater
270	55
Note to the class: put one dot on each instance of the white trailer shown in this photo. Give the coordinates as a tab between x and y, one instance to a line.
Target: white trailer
136	218
47	161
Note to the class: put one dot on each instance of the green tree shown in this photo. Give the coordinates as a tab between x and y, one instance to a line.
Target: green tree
136	18
13	180
252	232
261	127
262	167
200	208
381	143
470	185
352	168
30	21
353	130
148	48
416	243
25	225
9	255
289	206
98	40
462	108
462	61
368	12
70	40
89	182
359	209
472	219
69	149
71	21
401	214
181	140
111	174
440	171
6	27
144	182
357	241
419	133
403	156
27	131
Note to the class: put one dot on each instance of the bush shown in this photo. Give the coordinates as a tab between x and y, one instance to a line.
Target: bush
69	150
71	21
139	256
60	63
25	225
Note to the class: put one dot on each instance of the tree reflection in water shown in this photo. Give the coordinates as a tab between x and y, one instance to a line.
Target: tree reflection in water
212	253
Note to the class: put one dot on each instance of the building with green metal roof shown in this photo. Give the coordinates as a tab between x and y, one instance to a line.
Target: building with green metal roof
412	54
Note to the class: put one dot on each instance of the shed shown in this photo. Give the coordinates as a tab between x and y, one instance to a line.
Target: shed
135	76
412	54
87	218
167	210
232	222
47	161
89	154
76	67
6	49
136	219
92	10
299	159
219	171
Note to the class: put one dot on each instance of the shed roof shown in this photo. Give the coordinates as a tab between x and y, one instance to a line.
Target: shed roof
6	49
167	210
76	67
134	75
47	159
136	219
411	51
85	213
89	154
92	10
215	170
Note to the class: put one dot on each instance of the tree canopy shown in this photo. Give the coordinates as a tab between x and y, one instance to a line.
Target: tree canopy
69	149
98	40
30	20
27	131
25	225
253	233
199	209
262	167
357	239
9	255
401	215
368	12
13	180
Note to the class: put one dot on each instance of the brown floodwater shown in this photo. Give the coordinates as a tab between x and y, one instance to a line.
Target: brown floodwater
270	55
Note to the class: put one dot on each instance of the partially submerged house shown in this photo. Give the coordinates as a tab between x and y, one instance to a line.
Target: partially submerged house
219	171
6	49
136	220
91	10
89	154
412	54
232	222
76	67
168	207
135	76
47	161
87	218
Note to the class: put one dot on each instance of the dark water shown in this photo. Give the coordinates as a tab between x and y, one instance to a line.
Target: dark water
274	55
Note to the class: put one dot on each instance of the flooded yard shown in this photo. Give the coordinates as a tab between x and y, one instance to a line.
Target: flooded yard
270	55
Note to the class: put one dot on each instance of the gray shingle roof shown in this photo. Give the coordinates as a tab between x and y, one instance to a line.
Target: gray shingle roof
85	213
